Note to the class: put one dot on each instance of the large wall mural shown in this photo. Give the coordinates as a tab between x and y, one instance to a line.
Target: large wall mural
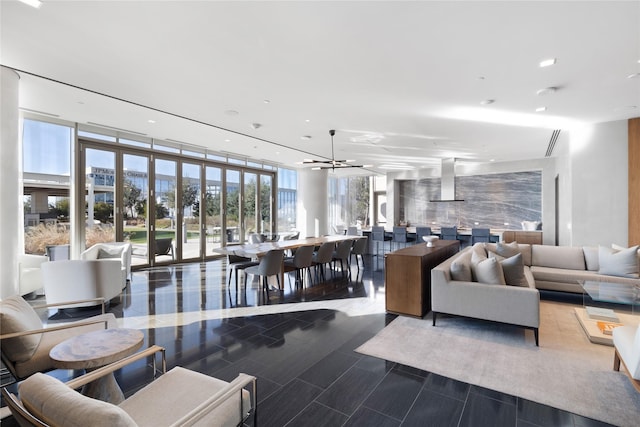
501	200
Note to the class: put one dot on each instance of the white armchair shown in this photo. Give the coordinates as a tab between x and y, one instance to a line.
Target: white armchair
81	280
30	279
626	340
109	250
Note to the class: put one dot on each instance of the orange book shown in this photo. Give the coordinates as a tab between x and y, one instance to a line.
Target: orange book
607	327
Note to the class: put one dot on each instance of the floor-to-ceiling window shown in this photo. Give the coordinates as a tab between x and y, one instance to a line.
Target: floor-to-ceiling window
349	202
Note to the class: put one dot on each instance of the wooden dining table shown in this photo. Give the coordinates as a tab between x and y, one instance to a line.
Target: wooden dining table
257	250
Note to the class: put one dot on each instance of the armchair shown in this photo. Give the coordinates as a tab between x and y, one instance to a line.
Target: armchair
626	340
30	279
119	250
179	397
81	279
25	343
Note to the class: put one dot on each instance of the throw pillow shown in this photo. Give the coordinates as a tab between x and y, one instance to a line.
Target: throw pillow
591	258
478	254
106	253
16	315
507	249
50	399
618	263
513	270
489	271
460	268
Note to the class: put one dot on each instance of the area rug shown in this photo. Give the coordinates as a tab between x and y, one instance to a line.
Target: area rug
566	372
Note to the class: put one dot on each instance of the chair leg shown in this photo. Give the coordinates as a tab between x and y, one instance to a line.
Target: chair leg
616	360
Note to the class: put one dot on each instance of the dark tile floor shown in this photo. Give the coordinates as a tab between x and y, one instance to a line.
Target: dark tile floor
308	372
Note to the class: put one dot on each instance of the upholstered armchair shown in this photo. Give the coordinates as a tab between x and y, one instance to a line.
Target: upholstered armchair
110	250
626	340
180	397
30	275
25	343
81	279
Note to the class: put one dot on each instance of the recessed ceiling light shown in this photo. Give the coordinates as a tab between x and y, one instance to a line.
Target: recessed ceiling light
633	76
541	109
227	140
231	113
305	137
487	101
307	120
151	121
547	62
266	101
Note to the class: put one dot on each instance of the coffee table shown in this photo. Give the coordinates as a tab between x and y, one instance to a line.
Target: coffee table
96	349
623	300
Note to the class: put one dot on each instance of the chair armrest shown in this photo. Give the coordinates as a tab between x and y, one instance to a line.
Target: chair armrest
54	328
55	304
105	370
236	386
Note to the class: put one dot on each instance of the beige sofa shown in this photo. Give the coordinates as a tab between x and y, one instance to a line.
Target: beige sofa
557	268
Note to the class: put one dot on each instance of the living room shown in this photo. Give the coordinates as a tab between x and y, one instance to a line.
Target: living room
589	180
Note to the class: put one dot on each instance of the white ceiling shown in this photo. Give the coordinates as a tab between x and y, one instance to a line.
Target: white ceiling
401	82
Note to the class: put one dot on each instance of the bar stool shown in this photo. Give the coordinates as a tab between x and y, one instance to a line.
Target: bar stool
449	233
400	236
378	235
480	235
422	231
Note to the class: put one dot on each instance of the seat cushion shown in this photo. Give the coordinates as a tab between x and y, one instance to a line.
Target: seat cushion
16	315
51	401
178	392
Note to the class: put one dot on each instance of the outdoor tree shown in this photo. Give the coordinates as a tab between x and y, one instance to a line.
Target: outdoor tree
132	196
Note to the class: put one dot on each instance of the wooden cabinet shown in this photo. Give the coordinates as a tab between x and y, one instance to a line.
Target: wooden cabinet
408	276
530	237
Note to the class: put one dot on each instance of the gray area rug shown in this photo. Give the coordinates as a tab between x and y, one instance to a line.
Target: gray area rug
566	371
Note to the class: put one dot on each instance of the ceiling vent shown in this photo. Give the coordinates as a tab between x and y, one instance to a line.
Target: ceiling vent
552	142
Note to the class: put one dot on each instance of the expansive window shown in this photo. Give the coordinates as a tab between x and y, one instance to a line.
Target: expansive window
287	199
349	201
47	171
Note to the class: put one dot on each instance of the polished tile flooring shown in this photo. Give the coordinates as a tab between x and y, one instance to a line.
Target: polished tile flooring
300	344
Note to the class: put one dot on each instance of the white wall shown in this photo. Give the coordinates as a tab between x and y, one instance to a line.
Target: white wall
599	184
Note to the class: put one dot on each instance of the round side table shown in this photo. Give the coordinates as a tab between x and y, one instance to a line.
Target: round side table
96	349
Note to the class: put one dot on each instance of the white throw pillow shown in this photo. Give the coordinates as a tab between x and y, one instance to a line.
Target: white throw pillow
478	254
622	263
460	268
507	249
489	271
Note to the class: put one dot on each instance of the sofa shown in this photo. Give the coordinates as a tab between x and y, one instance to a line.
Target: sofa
500	282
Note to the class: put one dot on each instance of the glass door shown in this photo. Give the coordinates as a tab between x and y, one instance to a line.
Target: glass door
250	220
213	209
266	205
100	183
165	212
190	209
135	205
232	207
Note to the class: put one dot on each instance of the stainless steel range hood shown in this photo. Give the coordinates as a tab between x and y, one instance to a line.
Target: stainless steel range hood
447	182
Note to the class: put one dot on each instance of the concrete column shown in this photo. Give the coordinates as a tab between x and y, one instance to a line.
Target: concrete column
312	206
11	215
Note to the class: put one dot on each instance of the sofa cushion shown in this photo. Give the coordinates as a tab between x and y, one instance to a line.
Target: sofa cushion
489	271
561	275
460	268
53	402
591	257
565	257
16	315
618	263
106	253
513	269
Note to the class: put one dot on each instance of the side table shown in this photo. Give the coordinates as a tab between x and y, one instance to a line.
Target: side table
96	349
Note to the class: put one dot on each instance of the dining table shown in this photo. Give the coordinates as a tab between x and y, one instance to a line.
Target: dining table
258	250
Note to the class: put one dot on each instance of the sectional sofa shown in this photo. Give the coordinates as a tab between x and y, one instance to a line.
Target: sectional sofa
500	282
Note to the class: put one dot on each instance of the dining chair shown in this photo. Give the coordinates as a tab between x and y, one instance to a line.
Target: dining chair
359	248
400	235
300	263
321	258
352	231
270	265
342	254
236	263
